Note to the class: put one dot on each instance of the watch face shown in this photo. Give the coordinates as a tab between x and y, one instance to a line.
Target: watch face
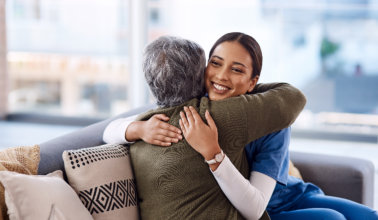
219	157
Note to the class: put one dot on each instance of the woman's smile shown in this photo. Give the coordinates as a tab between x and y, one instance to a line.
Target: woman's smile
229	71
220	88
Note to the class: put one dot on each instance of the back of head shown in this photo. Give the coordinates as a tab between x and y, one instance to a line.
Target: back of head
174	70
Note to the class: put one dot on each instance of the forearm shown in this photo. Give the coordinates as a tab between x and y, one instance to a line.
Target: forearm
275	108
254	115
250	198
115	131
132	131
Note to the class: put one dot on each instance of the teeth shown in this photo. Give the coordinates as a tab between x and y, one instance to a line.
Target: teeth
219	87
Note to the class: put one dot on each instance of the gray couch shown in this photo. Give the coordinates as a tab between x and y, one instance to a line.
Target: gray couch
338	176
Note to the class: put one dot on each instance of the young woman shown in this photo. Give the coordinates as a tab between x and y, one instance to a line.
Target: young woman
233	69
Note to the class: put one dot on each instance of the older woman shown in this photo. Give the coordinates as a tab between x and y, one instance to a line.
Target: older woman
175	182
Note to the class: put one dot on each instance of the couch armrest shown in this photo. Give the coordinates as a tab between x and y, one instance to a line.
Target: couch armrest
346	177
91	136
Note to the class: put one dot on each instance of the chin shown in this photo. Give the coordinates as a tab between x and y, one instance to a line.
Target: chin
217	97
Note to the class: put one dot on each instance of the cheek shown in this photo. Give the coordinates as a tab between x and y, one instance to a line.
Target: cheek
242	86
207	75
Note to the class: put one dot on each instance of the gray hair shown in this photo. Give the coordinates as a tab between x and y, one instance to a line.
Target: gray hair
174	69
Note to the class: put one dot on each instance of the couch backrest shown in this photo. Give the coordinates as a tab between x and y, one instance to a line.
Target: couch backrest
91	136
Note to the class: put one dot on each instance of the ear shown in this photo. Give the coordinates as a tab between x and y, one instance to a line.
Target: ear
253	83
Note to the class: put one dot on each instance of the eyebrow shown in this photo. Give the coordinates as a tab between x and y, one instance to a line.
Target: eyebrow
237	63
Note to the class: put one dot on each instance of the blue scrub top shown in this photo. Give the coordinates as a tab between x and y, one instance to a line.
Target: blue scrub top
270	155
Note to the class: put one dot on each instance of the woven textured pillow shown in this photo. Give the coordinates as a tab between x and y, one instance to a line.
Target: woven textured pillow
24	159
36	197
103	178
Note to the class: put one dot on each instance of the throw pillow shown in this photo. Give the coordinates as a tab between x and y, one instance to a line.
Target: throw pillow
293	171
18	159
32	197
103	178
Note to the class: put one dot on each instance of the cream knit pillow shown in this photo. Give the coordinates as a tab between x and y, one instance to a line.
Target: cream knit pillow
36	197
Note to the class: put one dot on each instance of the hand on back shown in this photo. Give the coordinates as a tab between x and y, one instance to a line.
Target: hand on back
155	131
202	137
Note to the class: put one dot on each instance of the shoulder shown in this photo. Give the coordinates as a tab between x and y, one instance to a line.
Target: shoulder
168	110
276	141
283	134
235	104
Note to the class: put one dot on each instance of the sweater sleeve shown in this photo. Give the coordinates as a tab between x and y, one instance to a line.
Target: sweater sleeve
245	118
271	108
251	197
115	131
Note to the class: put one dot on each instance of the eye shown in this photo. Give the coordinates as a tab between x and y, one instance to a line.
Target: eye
214	63
237	70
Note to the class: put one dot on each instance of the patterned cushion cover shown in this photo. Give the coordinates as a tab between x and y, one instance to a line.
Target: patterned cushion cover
103	178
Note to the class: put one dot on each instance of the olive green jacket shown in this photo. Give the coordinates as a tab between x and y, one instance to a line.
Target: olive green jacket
175	182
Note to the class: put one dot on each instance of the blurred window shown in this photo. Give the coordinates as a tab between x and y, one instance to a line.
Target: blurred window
326	48
72	56
68	57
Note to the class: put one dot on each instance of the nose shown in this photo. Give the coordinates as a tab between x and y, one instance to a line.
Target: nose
222	74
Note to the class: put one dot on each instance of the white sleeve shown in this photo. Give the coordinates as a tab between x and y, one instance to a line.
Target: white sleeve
251	197
115	131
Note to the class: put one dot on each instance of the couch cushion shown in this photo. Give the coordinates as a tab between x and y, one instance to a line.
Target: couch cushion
41	197
18	159
103	178
51	150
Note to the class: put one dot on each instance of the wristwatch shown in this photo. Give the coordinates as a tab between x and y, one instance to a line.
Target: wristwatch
217	159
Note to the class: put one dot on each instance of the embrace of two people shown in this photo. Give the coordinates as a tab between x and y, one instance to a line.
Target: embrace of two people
230	157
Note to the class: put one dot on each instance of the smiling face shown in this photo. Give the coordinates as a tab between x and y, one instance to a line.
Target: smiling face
229	71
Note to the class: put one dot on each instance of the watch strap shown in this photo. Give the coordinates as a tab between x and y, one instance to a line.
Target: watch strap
214	160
